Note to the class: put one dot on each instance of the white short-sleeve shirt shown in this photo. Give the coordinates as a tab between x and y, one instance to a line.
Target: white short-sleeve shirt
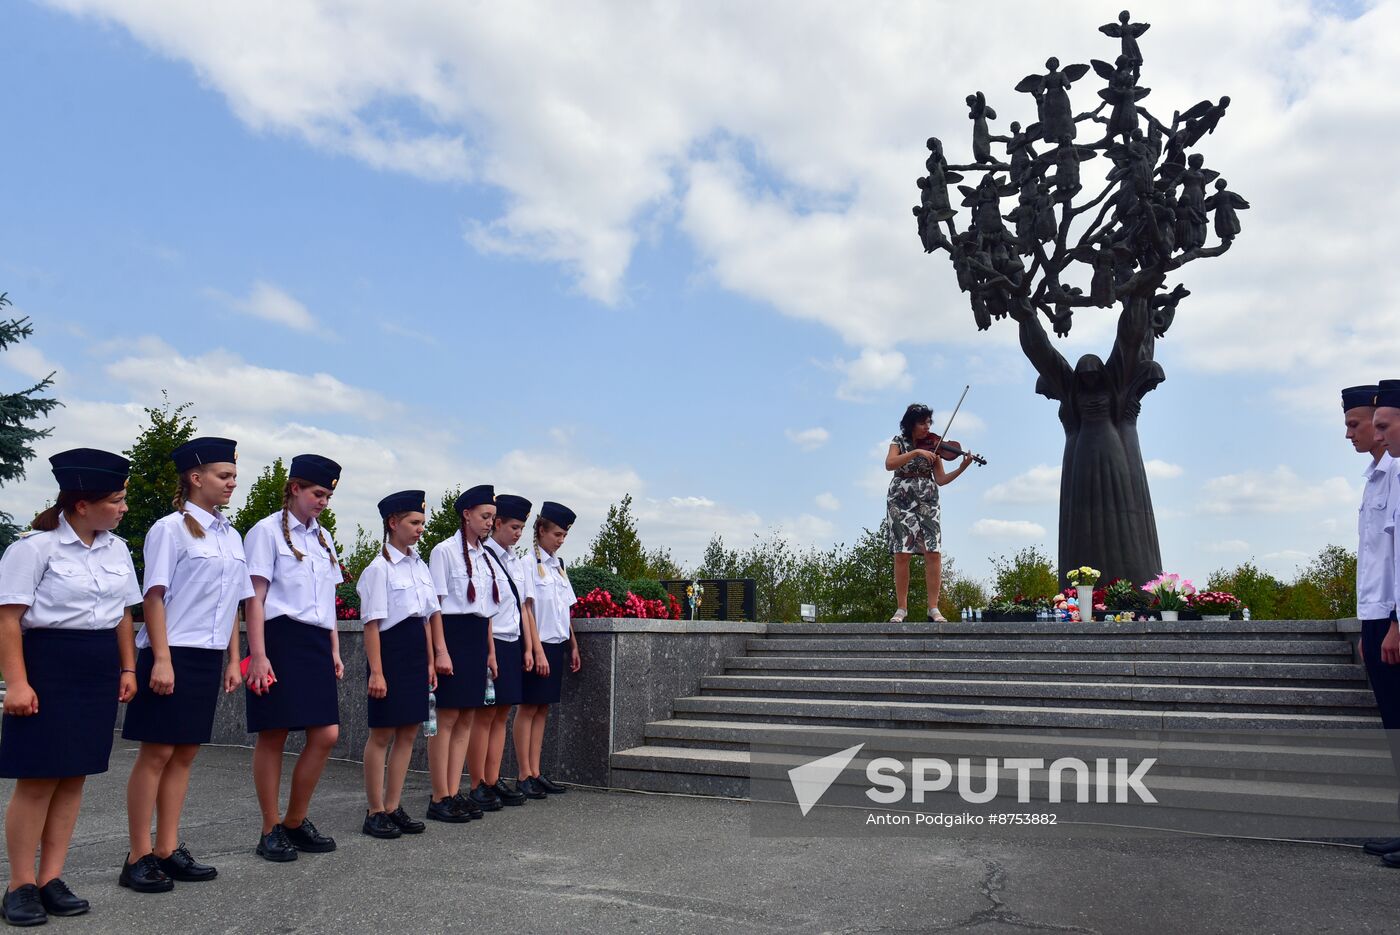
450	578
553	594
505	625
303	590
204	579
67	584
395	588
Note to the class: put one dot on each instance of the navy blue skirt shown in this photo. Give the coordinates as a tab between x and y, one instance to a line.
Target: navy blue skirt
536	690
403	655
510	659
466	636
186	715
76	674
304	694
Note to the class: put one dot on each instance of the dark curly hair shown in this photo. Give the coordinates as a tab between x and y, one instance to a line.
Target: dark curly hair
916	413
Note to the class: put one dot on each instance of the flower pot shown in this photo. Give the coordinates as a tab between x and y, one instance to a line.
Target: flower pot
1086	599
1216	617
1170	615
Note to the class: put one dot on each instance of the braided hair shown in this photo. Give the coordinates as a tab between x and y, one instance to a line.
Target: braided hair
286	526
182	495
467	560
392	517
540	522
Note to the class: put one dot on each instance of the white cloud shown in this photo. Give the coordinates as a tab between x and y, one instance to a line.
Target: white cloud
30	361
270	303
809	439
220	380
1276	491
827	501
873	371
1017	529
1041	484
1162	470
1227	547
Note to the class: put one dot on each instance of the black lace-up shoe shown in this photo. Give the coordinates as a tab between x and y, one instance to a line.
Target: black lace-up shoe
446	809
182	867
24	907
145	876
530	787
1382	846
485	798
466	806
305	837
380	825
550	786
275	847
59	900
406	823
506	794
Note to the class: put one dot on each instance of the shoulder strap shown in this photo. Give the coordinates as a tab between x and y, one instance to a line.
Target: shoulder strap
519	606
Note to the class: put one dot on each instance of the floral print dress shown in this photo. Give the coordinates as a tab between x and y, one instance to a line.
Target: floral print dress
915	517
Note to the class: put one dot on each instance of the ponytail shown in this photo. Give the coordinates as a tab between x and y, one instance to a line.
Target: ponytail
384	549
182	495
67	502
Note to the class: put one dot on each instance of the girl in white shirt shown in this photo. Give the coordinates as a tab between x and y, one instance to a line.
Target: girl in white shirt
196	576
67	652
513	632
469	590
549	588
397	601
293	654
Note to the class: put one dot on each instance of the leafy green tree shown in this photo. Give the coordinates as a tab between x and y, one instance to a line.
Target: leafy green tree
616	546
265	498
153	478
1333	572
443	521
1261	592
16	411
357	554
1029	573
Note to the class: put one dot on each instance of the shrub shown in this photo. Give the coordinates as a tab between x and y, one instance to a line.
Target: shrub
1029	573
586	578
648	589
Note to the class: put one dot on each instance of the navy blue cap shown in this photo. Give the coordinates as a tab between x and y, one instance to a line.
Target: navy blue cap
405	501
509	506
476	496
90	470
557	513
316	469
199	451
1355	396
1388	394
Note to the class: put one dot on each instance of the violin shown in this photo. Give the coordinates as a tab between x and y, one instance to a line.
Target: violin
947	450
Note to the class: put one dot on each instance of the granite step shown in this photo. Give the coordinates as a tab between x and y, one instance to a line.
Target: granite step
1146	649
1086	693
858	713
1328	675
1195	629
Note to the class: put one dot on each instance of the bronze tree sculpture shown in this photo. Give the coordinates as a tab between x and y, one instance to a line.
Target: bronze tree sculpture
1152	216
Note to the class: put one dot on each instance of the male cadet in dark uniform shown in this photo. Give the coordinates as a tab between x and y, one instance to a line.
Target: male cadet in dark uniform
1380	635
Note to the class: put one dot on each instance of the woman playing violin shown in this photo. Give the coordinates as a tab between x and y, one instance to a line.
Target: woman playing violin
912	505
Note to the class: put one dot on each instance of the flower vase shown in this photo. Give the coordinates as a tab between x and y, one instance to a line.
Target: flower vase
1170	615
1086	602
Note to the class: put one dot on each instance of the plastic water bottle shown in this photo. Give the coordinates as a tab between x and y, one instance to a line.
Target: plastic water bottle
490	688
430	725
964	615
978	617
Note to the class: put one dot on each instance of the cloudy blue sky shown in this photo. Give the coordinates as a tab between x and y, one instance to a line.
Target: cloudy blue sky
585	249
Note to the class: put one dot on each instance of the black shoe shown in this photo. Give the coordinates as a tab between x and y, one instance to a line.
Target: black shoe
1391	860
467	807
59	900
445	809
380	825
485	798
1382	846
305	837
506	794
405	823
553	788
275	847
145	876
182	866
530	788
24	906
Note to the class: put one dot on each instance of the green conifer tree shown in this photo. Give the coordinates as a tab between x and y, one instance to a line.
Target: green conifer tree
16	411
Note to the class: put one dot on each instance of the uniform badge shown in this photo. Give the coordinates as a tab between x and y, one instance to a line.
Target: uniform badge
334	481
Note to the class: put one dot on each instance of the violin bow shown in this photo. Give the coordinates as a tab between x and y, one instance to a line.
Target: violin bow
944	437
